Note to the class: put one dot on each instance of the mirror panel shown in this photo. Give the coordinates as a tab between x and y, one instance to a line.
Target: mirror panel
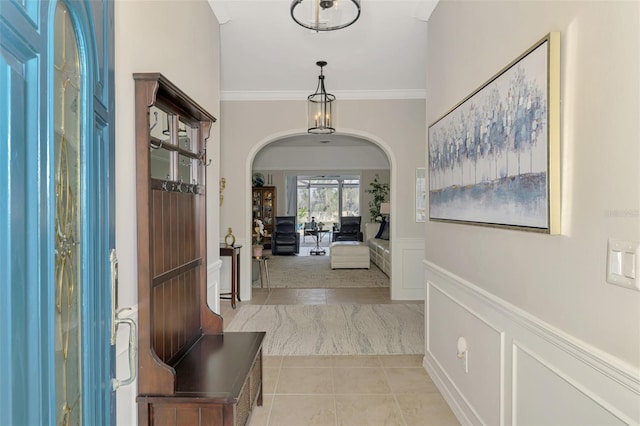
185	136
185	167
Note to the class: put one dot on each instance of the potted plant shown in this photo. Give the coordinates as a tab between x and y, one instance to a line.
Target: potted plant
258	234
379	191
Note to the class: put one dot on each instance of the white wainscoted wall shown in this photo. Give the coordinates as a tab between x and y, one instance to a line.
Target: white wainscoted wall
406	268
550	341
518	369
214	284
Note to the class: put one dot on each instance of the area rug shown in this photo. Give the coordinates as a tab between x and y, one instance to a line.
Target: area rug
316	272
385	329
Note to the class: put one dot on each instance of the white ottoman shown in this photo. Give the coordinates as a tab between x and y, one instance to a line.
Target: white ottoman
349	254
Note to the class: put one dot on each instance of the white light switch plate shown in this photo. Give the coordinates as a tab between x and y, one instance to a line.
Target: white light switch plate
622	263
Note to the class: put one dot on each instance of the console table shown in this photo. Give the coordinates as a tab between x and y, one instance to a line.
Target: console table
234	253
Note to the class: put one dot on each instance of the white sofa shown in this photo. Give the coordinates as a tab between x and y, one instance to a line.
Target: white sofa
379	250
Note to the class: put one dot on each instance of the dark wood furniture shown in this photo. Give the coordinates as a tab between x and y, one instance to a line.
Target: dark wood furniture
234	253
264	203
189	372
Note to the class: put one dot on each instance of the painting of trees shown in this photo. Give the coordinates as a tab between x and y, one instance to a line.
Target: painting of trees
488	156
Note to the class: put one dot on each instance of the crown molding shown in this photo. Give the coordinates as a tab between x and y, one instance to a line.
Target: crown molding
231	95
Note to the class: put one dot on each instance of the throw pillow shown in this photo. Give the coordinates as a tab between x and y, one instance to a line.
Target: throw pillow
385	232
381	229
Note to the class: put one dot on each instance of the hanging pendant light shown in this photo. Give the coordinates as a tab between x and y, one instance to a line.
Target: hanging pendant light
320	115
325	15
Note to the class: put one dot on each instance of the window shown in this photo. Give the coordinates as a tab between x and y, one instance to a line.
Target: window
326	198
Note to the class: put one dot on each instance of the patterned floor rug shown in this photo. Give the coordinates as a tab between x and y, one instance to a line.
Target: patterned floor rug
316	272
388	329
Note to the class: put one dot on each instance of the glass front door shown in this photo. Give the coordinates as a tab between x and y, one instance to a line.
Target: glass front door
68	232
56	212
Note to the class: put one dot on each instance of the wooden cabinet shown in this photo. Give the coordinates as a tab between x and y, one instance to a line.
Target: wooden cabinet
264	208
189	371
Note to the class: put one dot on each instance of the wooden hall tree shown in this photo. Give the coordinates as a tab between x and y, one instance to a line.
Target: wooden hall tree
189	372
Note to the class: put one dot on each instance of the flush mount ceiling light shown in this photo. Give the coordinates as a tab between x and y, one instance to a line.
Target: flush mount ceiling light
325	15
320	117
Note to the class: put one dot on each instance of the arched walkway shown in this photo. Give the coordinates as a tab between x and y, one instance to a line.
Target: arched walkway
257	147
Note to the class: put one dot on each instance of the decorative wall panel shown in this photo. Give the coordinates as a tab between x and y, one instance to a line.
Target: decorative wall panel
547	376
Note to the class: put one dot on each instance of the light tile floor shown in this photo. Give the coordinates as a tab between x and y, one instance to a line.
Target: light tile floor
343	390
349	390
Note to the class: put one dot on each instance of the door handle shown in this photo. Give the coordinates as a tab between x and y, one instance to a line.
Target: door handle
133	351
116	321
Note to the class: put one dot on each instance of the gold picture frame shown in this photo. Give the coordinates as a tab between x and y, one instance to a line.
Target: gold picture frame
494	158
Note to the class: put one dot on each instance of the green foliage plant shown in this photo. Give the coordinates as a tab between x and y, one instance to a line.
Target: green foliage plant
303	214
380	191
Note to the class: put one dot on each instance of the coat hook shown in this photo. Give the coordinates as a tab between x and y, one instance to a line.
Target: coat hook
202	157
155	121
152	146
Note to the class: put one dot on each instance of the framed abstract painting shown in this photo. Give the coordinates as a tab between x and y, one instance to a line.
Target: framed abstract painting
494	158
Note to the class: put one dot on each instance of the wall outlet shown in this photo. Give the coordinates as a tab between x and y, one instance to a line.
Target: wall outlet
622	263
463	353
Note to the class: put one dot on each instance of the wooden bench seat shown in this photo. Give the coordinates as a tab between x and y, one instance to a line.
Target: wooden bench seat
218	380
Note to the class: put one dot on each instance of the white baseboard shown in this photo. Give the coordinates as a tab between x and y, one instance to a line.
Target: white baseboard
521	369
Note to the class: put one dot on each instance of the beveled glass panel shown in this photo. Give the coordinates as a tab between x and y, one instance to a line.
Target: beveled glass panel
68	232
160	163
186	138
185	165
159	123
159	130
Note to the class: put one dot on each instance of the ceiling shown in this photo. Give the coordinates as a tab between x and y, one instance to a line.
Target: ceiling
266	55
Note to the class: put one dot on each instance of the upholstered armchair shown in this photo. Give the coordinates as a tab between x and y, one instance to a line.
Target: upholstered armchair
285	238
349	229
309	229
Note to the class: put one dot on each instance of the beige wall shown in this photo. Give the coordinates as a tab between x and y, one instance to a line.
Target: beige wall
191	61
397	126
247	126
323	157
560	279
142	47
